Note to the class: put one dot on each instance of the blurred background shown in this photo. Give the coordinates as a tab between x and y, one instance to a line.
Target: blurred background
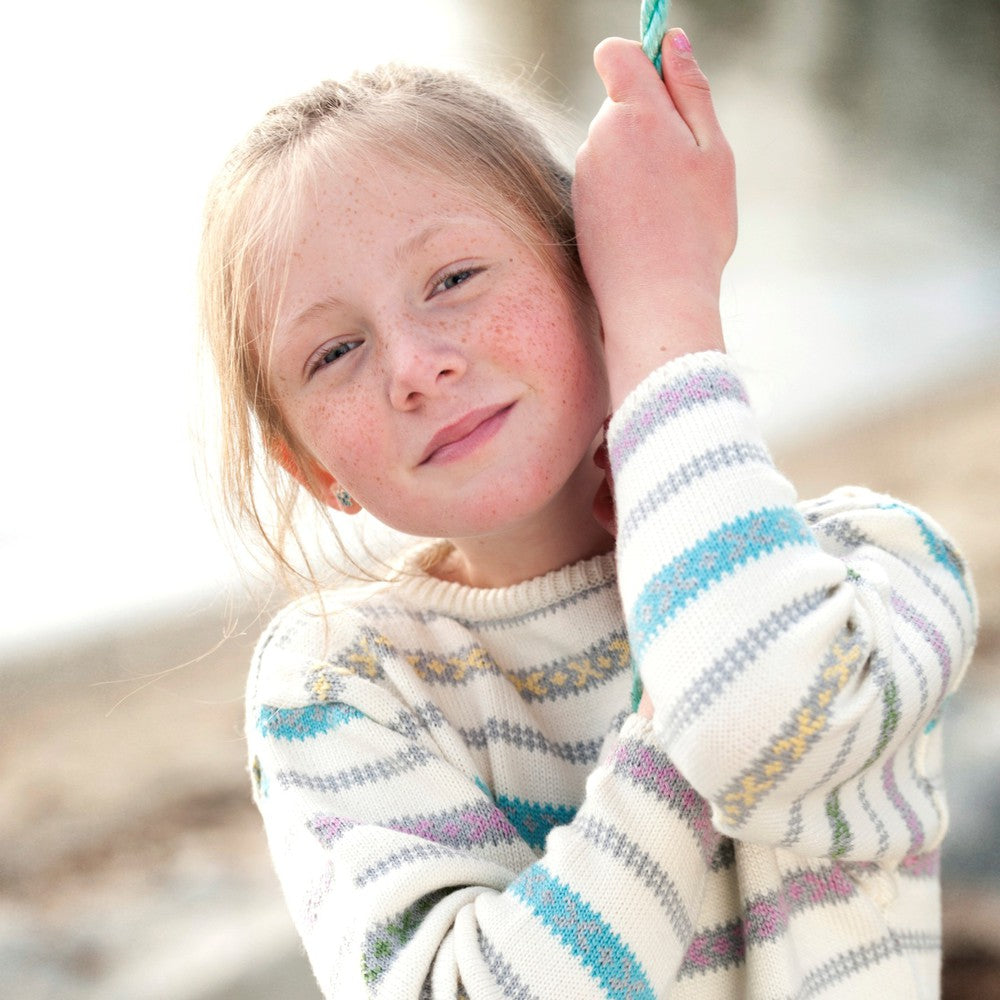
863	302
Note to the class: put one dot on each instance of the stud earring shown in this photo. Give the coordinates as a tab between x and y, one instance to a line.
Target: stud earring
344	498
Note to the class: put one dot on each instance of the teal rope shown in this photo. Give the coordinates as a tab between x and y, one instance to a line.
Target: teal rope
652	28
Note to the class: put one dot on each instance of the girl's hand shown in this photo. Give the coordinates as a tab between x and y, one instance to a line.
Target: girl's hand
655	203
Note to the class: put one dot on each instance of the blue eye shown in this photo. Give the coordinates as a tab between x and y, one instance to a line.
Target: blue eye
335	353
456	278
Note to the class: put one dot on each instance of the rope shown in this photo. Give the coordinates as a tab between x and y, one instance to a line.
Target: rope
652	28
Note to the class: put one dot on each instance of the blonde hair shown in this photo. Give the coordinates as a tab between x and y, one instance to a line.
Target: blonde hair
439	121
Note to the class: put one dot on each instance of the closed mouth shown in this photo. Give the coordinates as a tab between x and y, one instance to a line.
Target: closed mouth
465	435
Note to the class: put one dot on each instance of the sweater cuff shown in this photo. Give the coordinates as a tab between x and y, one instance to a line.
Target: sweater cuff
682	384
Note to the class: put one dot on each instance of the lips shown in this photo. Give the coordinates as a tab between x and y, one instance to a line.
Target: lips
465	435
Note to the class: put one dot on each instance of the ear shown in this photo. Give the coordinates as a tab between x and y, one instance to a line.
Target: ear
318	481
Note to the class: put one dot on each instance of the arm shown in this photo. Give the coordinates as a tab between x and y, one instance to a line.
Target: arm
796	658
400	869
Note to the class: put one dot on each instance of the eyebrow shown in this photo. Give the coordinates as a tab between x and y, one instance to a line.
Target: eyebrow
418	240
330	302
413	243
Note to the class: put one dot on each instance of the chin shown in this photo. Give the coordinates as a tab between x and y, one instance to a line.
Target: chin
494	504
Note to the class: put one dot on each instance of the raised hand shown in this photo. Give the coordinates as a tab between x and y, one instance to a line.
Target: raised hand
655	207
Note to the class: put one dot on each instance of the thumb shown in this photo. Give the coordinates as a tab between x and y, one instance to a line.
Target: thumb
625	71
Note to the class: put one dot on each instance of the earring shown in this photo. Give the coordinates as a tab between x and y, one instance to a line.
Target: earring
344	498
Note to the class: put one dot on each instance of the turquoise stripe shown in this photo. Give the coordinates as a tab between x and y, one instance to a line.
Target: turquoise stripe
718	554
305	721
533	820
941	551
583	932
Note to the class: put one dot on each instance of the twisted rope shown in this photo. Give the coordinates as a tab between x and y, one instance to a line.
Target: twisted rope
652	28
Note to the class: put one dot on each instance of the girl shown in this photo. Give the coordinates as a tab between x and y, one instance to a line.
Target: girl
458	797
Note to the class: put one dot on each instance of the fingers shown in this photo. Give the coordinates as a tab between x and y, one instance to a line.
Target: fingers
688	88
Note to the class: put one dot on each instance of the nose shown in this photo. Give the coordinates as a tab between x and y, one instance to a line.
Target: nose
421	364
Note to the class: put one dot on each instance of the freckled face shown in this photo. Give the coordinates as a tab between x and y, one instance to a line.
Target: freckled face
429	360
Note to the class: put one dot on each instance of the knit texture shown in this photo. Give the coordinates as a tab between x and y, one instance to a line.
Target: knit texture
459	801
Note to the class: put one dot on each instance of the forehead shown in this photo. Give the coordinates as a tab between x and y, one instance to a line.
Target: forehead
358	216
369	189
359	221
365	203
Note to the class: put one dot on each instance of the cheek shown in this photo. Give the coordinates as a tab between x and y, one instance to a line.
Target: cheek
339	435
568	360
535	329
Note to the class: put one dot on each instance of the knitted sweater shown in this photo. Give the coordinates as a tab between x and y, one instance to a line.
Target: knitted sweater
459	801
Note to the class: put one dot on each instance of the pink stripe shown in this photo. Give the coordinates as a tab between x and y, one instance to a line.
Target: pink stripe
673	787
928	630
921	865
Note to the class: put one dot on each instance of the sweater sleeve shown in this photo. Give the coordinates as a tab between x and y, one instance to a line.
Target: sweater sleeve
404	877
797	655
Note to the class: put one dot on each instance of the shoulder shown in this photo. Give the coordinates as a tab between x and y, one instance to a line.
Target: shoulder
319	634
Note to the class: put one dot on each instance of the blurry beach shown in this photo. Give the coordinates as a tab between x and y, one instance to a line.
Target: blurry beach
863	303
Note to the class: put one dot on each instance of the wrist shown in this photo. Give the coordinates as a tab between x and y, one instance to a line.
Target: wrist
640	337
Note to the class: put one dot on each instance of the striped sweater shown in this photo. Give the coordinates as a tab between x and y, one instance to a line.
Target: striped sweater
460	802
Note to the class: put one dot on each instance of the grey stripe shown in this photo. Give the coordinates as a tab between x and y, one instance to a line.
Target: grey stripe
918	668
849	963
402	858
613	841
515	735
507	979
942	598
372	773
876	820
422	718
724	456
794	832
843	531
711	683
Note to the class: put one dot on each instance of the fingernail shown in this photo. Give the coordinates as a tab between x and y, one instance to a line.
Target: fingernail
679	42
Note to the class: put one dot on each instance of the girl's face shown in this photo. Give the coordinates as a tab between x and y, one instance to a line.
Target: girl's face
429	360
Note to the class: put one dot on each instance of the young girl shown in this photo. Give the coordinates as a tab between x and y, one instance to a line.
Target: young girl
460	798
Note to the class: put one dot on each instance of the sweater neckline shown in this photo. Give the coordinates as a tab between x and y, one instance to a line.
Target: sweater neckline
459	600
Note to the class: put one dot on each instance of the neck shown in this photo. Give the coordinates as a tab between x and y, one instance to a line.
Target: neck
562	533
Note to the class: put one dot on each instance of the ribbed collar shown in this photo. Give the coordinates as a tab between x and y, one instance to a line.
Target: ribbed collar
416	587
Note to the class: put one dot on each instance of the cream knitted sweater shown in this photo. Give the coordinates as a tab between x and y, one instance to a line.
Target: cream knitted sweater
459	801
